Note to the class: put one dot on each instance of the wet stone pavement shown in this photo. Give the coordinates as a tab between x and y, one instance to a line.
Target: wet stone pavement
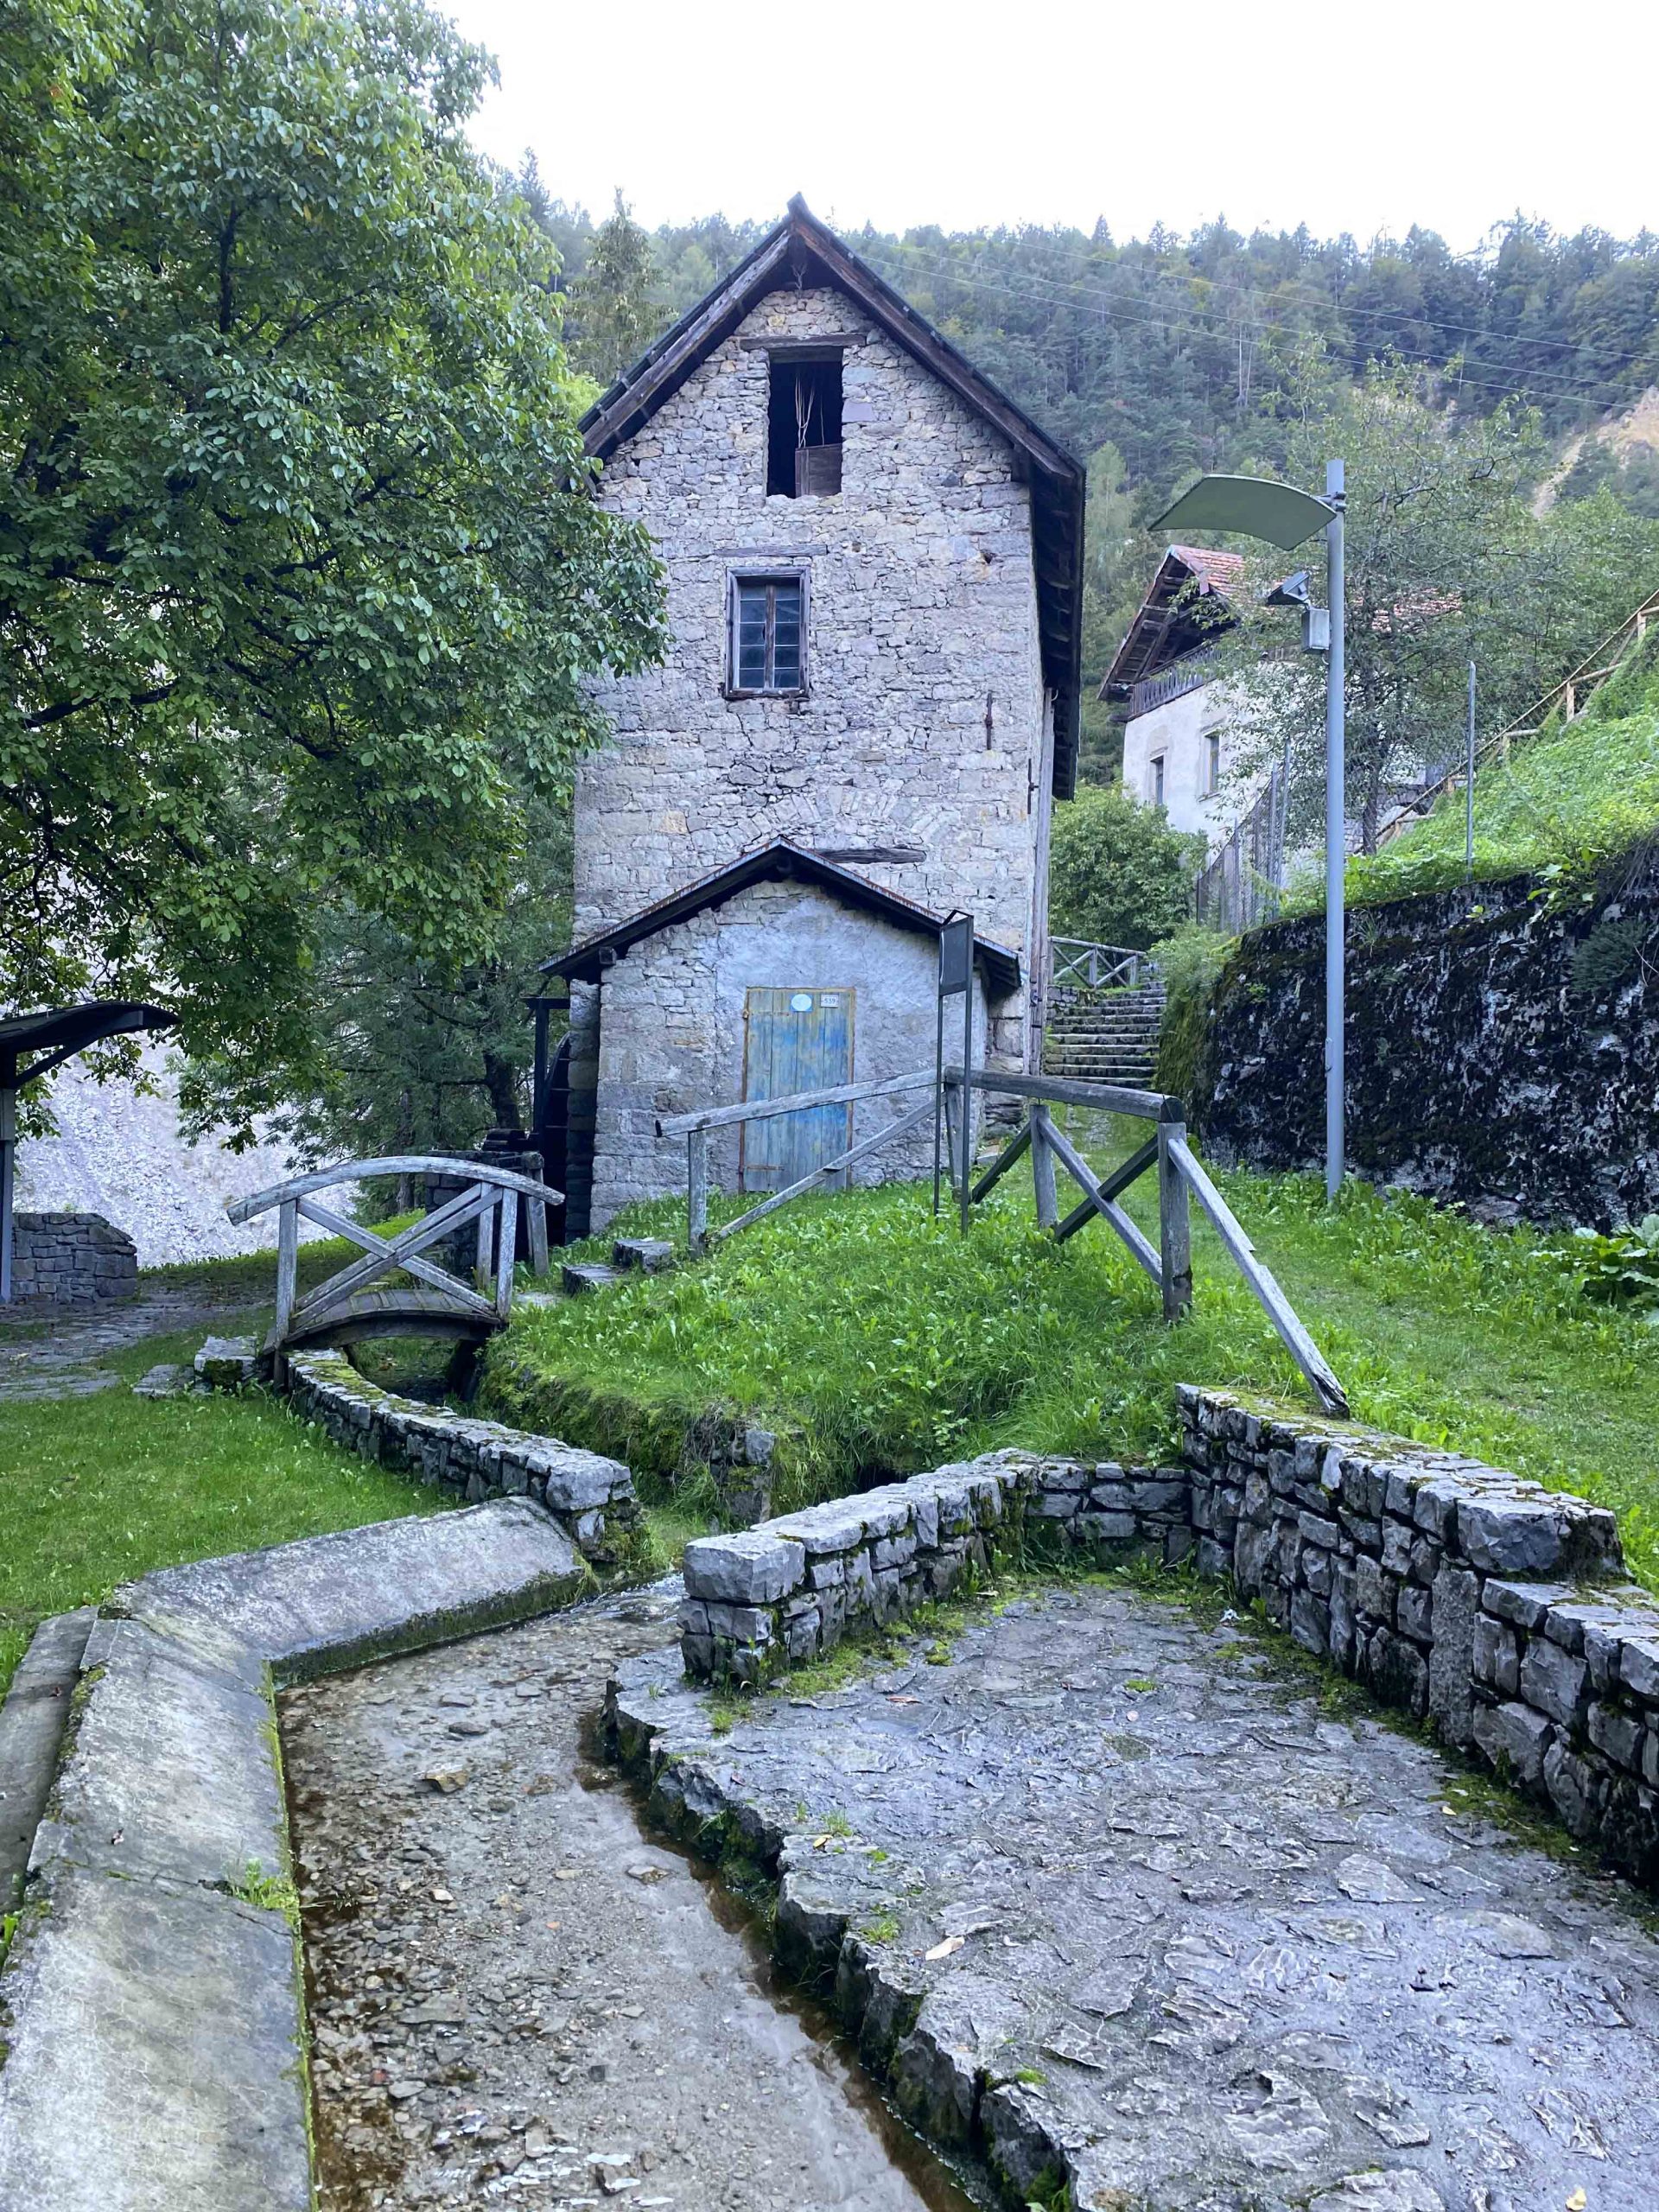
49	1351
1118	1896
517	1996
1117	1891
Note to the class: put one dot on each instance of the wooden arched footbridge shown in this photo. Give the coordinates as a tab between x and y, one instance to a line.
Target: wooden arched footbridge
423	1298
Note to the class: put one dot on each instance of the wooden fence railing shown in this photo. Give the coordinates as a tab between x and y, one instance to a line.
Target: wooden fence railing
1571	695
1076	960
695	1128
1179	1177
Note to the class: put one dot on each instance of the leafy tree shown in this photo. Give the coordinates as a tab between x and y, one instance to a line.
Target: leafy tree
1118	873
1446	562
300	585
423	1053
614	297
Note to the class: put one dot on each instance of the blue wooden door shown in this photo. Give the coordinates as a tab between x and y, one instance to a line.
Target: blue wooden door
795	1040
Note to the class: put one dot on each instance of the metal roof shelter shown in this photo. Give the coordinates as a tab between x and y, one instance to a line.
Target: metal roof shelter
47	1039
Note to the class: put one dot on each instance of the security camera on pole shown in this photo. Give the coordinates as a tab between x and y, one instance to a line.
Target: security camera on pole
1254	507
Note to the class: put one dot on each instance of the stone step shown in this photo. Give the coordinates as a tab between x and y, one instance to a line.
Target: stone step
654	1255
579	1279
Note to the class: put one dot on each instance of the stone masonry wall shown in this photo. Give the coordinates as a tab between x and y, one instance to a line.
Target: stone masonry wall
591	1497
72	1259
1487	1607
671	1036
922	623
1500	1050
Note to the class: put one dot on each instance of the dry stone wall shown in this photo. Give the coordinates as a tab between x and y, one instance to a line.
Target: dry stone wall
1492	1609
1501	1050
72	1259
591	1497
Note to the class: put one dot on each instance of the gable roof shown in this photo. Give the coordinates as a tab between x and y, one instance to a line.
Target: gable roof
778	862
1166	626
801	250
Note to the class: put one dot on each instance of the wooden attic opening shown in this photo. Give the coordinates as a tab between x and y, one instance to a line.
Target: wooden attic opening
804	425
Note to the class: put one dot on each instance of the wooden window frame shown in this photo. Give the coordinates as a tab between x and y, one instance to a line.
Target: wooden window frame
735	578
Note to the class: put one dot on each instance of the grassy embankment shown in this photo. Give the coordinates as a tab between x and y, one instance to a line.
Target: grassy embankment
1567	803
874	1339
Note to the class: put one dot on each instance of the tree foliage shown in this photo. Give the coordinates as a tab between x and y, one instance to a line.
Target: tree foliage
300	583
1448	560
1118	873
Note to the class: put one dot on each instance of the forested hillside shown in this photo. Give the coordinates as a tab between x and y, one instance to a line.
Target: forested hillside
1153	357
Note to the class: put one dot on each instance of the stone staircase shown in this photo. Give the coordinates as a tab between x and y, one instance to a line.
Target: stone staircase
1104	1036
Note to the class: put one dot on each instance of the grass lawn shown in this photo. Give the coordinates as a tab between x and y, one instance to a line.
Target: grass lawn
876	1340
95	1490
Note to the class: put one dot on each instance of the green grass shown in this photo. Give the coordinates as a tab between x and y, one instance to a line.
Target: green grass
1565	802
874	1339
96	1490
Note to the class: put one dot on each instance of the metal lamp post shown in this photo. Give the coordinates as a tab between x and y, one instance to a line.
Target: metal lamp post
1254	507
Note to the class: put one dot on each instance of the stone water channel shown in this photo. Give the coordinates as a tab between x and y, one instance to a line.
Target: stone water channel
518	1995
1218	1930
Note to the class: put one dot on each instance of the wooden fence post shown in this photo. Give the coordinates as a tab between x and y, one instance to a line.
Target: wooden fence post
697	1190
1174	1223
288	1255
507	1238
484	1262
1042	1169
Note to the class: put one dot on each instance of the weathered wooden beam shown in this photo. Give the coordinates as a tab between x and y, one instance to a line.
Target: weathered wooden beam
360	1171
1000	1166
506	1236
1174	1223
889	1135
1082	1174
696	1190
1111	1186
761	1109
1042	1168
288	1243
1061	1090
1278	1308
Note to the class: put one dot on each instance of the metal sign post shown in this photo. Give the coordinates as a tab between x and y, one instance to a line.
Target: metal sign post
956	974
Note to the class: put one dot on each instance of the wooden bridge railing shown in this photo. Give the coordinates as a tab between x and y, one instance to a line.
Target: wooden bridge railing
1181	1177
491	1200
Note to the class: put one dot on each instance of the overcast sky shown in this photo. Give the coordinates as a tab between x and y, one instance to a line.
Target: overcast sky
1348	118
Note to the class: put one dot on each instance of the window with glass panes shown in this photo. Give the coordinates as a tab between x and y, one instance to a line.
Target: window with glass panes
768	623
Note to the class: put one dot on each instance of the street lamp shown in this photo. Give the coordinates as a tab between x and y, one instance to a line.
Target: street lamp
1254	507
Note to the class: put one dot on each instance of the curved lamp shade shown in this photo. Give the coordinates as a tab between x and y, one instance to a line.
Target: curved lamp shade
1255	506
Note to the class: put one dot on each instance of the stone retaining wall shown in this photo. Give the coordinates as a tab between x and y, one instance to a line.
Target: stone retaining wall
780	1594
1492	1608
591	1497
72	1259
1487	1607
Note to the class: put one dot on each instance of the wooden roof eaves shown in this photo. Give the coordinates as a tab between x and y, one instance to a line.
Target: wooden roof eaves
780	860
1056	478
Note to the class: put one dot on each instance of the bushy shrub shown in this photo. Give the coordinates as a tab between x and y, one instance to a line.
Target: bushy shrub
1622	1269
1118	873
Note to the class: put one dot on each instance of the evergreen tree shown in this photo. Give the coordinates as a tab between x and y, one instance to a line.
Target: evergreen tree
615	309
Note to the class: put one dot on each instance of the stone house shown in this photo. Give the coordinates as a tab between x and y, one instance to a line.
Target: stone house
866	709
1179	749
